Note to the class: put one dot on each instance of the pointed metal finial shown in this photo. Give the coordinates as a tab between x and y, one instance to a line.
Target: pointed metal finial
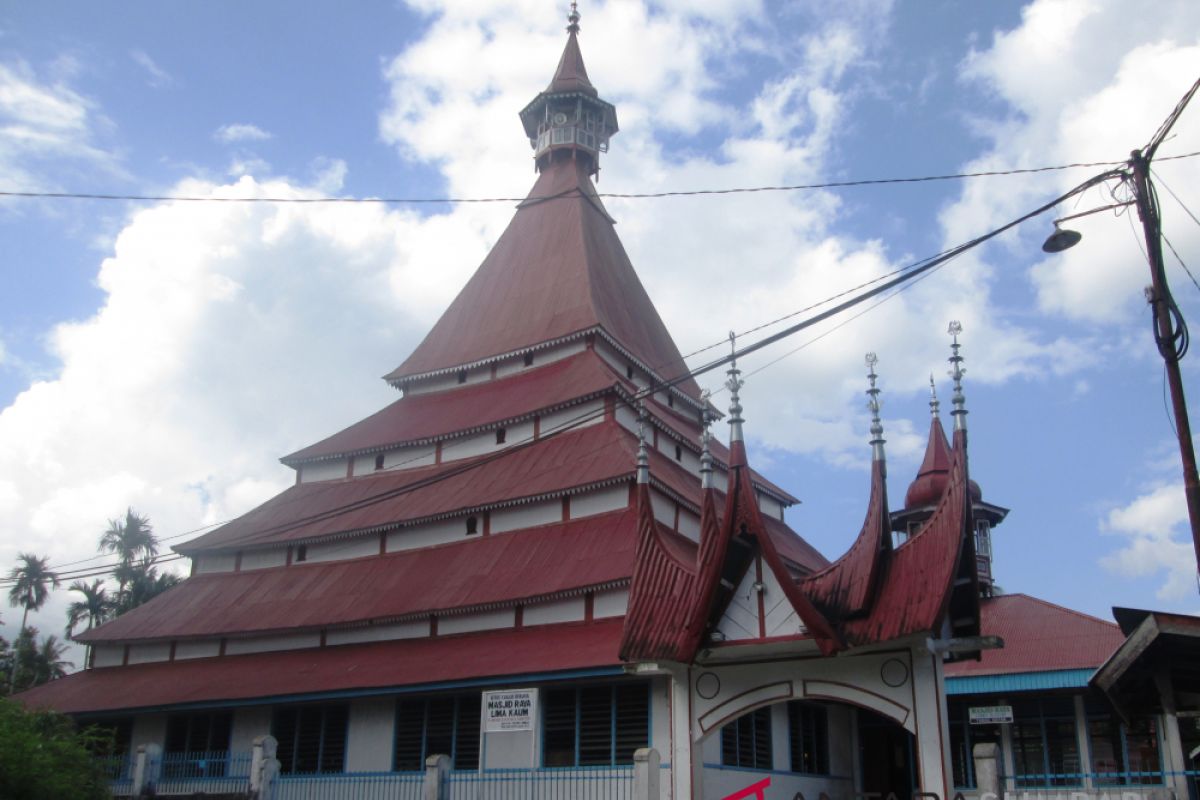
643	455
734	384
934	405
573	18
706	459
956	372
877	439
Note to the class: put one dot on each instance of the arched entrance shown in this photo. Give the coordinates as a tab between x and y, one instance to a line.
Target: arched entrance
886	755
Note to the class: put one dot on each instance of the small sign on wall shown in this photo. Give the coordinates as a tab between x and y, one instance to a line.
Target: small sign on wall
512	710
989	715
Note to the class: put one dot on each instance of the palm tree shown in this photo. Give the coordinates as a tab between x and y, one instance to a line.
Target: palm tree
95	608
130	540
49	664
145	583
30	579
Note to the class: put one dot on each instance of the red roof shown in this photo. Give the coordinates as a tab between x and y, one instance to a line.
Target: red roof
558	270
381	665
507	567
927	488
431	415
1039	636
571	75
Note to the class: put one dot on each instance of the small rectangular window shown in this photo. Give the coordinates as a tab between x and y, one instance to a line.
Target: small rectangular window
501	435
746	742
629	371
379	461
472	526
678	453
529	359
670	401
302	553
462	376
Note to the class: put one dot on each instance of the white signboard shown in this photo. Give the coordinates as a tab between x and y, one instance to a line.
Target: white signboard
990	715
509	711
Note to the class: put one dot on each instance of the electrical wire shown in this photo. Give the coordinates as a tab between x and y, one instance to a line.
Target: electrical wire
1180	260
1170	191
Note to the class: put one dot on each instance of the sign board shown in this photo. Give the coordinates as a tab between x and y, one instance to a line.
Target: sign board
512	710
989	715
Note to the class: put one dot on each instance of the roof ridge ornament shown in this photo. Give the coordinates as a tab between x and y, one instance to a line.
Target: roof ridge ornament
643	455
573	18
877	440
706	458
934	404
956	372
734	384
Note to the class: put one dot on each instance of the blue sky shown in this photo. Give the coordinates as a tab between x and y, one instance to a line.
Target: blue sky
163	355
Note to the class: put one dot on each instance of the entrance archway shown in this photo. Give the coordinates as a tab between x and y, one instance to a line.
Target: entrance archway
886	753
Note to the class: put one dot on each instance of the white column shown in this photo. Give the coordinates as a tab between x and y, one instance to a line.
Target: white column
687	763
988	769
933	734
1173	757
437	770
1082	743
646	764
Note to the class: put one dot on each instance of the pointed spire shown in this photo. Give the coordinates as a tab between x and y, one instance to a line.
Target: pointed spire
571	75
706	459
877	440
643	455
734	384
573	18
956	372
934	405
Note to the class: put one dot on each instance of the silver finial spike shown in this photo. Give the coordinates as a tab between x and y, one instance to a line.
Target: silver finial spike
877	439
643	455
734	384
956	372
934	405
706	459
573	18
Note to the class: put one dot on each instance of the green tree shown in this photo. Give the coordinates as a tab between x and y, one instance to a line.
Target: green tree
43	756
35	662
94	609
144	583
130	539
31	578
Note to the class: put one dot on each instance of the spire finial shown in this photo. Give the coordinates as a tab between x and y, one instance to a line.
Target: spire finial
734	384
877	439
573	18
643	455
706	459
934	405
957	372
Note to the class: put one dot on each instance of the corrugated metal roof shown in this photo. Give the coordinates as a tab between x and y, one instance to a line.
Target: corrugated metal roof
493	569
1018	682
571	75
1038	636
293	673
557	270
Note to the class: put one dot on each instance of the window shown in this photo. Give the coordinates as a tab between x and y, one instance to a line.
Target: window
302	553
746	742
462	376
110	747
670	401
594	725
472	526
1121	754
379	461
501	435
808	734
311	739
197	745
678	453
430	726
963	738
629	371
1044	743
529	359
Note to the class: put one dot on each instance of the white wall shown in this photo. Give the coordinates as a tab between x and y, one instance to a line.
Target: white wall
357	547
627	417
546	355
610	604
485	442
249	722
199	648
569	610
482	621
108	655
369	735
769	506
526	515
600	501
575	416
214	562
664	508
268	644
264	559
378	633
398	459
448	381
430	533
149	652
323	470
689	524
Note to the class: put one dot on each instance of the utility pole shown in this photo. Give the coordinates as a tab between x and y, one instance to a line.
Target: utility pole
1165	333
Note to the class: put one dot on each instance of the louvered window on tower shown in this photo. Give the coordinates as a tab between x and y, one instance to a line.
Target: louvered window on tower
312	739
808	732
595	725
431	726
746	742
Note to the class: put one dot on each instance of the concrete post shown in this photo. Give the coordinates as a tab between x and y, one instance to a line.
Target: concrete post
263	766
1174	760
146	769
437	773
989	770
645	774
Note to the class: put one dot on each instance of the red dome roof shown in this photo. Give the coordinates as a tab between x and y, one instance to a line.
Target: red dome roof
934	473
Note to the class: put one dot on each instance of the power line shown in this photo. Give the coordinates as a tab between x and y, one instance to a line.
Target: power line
614	195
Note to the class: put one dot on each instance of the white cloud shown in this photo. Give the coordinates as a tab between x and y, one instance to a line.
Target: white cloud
240	132
1152	523
156	76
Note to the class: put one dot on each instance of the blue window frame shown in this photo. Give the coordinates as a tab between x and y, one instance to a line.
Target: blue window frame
746	742
444	725
1123	755
1045	745
594	725
312	739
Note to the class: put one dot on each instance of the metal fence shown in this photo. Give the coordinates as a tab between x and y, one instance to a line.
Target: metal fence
349	786
217	772
119	772
583	783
